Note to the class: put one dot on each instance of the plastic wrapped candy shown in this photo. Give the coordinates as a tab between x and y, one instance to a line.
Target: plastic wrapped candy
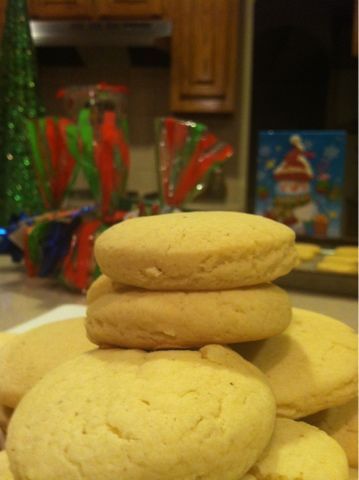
79	267
186	152
99	139
103	156
45	239
52	161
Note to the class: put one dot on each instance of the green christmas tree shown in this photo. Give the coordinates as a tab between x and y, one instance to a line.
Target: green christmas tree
19	101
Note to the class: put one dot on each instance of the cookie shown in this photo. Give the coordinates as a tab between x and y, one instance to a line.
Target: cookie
298	451
341	423
342	260
5	415
196	251
307	251
151	320
5	337
353	474
5	473
347	251
132	415
27	357
311	366
100	287
335	266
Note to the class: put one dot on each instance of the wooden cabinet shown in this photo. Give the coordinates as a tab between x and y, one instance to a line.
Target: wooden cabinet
129	8
93	8
203	45
204	55
60	9
2	16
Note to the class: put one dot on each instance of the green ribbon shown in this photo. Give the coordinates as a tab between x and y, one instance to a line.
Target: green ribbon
87	153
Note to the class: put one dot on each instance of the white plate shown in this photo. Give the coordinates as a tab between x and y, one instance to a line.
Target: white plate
60	313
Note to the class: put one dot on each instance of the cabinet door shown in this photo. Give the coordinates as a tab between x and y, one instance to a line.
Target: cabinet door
2	16
61	8
129	8
204	55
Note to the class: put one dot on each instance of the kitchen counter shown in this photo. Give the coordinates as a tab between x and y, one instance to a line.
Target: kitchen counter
23	298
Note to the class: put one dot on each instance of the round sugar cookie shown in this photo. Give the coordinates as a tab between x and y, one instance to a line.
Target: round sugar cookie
101	286
337	266
311	366
306	251
152	320
130	414
347	251
300	451
341	260
5	473
196	251
341	423
26	358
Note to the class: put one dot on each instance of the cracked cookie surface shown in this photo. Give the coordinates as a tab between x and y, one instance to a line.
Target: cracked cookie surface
311	366
27	357
341	423
196	251
152	320
171	415
298	451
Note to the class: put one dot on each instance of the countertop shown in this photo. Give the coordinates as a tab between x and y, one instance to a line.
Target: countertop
23	298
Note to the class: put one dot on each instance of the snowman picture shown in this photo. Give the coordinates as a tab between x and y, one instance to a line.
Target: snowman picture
300	180
293	203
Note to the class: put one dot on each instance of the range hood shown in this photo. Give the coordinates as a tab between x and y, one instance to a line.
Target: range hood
98	33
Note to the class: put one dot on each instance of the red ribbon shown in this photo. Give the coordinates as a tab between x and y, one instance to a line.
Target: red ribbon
112	177
175	138
78	263
60	168
203	158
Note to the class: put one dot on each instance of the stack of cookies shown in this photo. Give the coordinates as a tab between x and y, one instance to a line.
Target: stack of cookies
190	279
167	399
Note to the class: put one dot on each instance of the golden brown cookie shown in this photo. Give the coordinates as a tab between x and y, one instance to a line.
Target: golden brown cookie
100	287
5	337
311	366
298	451
353	474
306	251
347	251
341	423
26	358
5	473
151	320
336	265
196	251
131	415
5	415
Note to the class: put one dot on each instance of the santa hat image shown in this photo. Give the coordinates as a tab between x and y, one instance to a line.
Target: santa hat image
295	166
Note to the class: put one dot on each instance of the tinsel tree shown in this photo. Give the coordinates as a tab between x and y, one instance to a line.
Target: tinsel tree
18	101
